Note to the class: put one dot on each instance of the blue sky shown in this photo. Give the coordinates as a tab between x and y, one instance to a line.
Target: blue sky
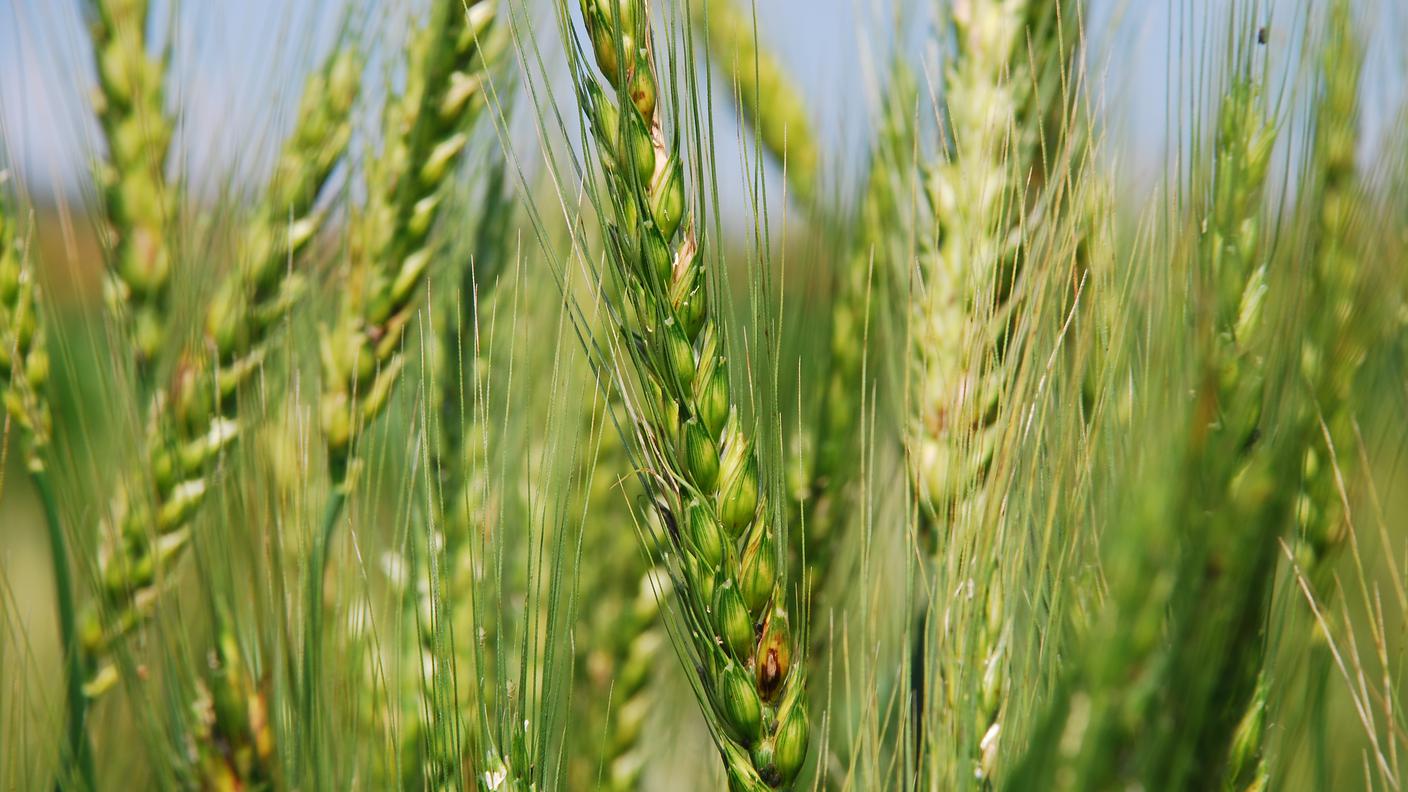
238	67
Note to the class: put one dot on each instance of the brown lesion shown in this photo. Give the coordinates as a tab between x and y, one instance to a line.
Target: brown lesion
774	657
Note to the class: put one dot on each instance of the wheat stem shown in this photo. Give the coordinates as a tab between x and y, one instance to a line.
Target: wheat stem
310	711
80	749
24	367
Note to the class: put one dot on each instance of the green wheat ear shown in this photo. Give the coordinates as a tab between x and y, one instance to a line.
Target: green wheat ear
1162	692
205	409
1337	341
427	128
1334	347
139	203
700	456
24	362
859	306
624	633
24	405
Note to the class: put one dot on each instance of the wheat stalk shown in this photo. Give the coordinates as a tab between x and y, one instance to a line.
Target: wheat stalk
700	457
24	374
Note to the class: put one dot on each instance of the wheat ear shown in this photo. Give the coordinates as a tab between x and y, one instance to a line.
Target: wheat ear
427	129
451	584
202	413
140	205
1334	348
24	362
1199	549
861	285
625	635
999	93
1337	342
762	92
700	457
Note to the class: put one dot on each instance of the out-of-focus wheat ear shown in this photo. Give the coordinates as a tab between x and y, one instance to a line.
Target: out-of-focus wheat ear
762	91
427	128
1232	507
864	281
24	361
1163	692
139	204
1338	340
233	738
624	633
203	411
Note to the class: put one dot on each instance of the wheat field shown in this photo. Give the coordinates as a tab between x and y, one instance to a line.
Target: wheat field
703	394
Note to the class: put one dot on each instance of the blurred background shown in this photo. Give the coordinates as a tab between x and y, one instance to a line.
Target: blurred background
237	66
